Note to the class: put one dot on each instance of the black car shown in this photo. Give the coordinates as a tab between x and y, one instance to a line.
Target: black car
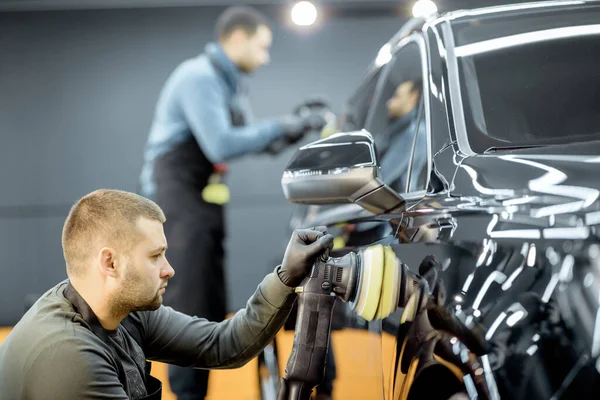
496	174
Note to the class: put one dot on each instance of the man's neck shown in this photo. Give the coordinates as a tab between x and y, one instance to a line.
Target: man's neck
98	302
229	52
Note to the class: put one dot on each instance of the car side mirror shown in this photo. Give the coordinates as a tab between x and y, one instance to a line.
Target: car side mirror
342	168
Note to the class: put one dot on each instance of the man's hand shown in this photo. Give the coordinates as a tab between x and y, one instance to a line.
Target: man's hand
293	125
293	128
304	248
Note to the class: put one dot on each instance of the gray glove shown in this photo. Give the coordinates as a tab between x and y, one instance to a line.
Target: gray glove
294	128
304	248
293	125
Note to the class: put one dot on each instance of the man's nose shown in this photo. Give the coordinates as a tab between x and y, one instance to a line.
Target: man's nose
168	271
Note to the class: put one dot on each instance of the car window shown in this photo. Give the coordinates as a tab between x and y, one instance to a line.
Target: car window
533	82
397	121
355	112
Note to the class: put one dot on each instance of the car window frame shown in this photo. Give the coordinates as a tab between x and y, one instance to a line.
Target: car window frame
418	38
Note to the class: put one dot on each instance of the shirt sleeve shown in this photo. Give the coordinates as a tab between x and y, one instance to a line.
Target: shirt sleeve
71	370
205	109
176	338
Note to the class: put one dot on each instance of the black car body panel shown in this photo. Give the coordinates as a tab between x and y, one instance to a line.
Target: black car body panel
514	222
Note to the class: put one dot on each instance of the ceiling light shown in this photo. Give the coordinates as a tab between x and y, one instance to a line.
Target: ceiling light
424	8
304	13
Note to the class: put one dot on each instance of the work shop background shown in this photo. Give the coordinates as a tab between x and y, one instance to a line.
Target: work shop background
79	80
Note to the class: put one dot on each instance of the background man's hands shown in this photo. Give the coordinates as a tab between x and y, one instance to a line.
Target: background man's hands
304	248
311	115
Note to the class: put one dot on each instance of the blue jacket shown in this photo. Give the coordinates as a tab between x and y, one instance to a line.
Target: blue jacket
195	101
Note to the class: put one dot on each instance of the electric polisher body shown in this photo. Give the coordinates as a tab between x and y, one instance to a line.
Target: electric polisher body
369	281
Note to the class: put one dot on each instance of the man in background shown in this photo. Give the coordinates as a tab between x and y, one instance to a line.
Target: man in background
202	121
395	144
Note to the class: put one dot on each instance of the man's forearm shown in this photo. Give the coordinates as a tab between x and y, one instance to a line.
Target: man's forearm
179	339
206	111
264	315
243	140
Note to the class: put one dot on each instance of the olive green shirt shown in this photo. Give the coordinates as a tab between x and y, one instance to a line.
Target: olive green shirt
59	350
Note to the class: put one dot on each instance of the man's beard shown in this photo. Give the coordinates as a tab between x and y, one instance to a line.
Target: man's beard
132	297
246	68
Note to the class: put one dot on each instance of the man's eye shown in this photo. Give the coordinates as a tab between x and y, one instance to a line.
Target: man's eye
157	256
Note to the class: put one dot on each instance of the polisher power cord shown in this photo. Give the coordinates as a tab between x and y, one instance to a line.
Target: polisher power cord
372	282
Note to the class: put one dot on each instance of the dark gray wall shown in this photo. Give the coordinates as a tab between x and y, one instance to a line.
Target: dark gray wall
77	91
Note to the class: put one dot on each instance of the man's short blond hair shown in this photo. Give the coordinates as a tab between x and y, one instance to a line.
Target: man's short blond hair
104	216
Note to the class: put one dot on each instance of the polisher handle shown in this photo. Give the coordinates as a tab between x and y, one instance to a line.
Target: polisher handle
306	366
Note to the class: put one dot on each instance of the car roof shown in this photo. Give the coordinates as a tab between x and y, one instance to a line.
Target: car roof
511	9
464	15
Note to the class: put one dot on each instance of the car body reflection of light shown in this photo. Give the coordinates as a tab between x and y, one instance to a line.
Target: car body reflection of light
489	377
495	325
517	234
532	349
596	340
592	218
495	276
508	284
580	232
531	255
588	280
484	190
515	318
525	38
565	272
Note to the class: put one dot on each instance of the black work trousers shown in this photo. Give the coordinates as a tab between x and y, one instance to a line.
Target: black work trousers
195	232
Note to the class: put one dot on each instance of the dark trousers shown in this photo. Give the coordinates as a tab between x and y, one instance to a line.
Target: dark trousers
195	233
188	383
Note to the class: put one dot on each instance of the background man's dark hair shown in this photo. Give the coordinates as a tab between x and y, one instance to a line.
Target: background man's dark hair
417	85
240	17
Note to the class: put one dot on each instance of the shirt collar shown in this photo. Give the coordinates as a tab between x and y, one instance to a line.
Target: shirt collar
405	120
230	70
87	314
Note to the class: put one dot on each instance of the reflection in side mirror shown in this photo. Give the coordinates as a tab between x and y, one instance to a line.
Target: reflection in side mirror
342	168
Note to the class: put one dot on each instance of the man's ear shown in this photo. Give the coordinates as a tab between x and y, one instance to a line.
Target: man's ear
238	36
109	262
